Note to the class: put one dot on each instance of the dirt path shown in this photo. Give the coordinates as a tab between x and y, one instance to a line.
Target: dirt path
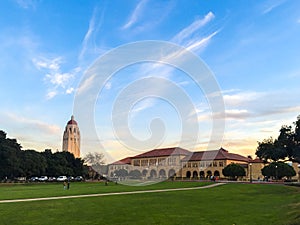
109	194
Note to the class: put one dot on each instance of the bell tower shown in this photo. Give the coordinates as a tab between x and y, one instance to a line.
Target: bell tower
71	138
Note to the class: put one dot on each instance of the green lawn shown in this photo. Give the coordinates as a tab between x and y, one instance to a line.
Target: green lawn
239	204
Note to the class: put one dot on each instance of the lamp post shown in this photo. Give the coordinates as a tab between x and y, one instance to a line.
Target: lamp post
276	173
250	165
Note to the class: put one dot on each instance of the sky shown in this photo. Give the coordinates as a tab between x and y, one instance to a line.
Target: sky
47	48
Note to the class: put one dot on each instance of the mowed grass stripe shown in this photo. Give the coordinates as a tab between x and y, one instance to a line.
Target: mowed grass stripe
43	190
239	204
107	194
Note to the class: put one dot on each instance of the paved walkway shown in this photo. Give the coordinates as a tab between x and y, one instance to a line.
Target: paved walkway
109	194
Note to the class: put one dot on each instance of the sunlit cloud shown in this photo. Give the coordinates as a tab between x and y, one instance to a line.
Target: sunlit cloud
238	114
40	126
239	97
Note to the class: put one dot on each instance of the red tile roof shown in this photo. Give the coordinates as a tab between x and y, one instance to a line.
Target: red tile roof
124	161
220	154
163	152
72	121
256	160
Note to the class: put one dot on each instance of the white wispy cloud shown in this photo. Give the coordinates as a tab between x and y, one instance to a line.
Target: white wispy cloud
188	31
240	97
190	38
70	90
34	124
88	44
270	5
51	94
26	129
197	44
135	14
238	114
59	79
141	106
107	86
27	4
55	78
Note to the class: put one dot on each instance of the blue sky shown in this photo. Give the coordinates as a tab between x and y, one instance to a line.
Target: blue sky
252	47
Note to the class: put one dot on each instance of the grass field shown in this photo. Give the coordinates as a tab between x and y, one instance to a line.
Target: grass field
239	204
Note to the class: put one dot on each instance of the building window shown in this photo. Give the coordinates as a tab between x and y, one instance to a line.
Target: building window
202	164
152	162
215	164
144	162
221	164
208	164
136	162
161	161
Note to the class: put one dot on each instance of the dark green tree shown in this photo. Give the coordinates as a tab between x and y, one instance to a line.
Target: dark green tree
233	171
285	147
33	163
10	157
278	170
15	162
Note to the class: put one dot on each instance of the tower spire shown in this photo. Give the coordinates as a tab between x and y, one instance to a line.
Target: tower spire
71	138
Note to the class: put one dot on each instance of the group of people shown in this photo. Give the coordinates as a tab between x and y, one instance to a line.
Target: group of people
66	185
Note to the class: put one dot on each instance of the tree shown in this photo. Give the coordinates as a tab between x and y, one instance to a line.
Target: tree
96	160
278	170
10	157
233	171
285	147
33	163
15	162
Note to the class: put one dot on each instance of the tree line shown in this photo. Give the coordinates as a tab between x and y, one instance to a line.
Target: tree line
15	162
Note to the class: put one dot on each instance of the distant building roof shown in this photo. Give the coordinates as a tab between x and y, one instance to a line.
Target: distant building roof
256	160
163	152
220	154
124	161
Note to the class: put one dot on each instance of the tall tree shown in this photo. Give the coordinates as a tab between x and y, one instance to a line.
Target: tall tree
286	146
10	152
96	161
33	163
